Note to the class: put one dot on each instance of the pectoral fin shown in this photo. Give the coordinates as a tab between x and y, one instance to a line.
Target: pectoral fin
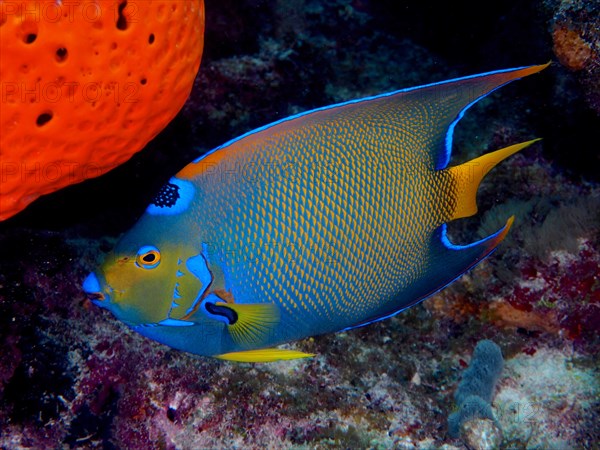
254	321
248	323
264	355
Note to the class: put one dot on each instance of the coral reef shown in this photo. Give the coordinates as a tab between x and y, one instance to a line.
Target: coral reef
571	50
546	400
481	434
86	85
572	27
71	376
576	40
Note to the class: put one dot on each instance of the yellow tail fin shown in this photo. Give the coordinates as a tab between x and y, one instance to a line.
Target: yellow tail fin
468	176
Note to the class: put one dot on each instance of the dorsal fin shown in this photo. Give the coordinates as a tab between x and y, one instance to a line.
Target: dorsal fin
429	113
418	120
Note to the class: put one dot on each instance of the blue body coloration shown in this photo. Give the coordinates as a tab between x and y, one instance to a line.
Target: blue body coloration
324	221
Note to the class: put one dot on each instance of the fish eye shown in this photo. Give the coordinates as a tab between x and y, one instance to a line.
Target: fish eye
148	257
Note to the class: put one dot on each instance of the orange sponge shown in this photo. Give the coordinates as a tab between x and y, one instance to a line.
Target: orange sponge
571	49
85	85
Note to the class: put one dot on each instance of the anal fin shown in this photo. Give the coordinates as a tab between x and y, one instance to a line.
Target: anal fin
449	261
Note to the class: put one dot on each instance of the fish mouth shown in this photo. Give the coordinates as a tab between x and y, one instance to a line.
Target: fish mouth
93	290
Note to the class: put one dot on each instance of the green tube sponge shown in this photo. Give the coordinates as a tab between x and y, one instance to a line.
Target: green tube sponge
476	388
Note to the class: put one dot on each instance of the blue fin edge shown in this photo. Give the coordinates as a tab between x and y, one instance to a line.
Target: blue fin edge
443	230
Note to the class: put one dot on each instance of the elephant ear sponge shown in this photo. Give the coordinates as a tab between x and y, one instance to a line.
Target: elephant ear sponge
85	85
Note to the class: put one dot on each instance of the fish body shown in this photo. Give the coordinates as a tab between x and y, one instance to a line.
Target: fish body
328	220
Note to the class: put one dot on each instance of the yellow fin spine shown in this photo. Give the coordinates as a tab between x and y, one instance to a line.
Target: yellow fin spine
468	176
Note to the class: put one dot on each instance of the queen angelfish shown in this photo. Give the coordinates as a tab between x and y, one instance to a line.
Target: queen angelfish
327	220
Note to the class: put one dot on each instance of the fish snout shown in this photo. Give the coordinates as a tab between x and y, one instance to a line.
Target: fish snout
91	286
